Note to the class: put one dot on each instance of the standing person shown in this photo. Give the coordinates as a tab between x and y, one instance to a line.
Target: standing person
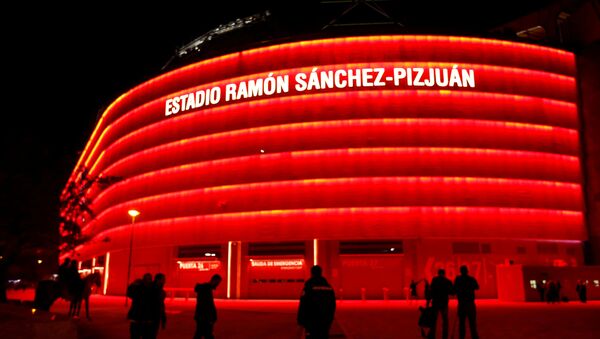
541	290
317	305
139	314
581	289
413	290
465	287
552	295
63	278
441	289
158	315
74	287
206	312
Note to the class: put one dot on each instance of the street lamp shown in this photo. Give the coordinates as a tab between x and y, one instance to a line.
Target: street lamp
132	213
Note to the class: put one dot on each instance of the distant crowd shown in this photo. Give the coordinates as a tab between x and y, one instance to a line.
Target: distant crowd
550	291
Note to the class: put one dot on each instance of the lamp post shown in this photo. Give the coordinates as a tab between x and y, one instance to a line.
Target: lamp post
132	213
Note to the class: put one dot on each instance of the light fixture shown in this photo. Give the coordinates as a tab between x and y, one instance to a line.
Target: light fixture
133	213
534	33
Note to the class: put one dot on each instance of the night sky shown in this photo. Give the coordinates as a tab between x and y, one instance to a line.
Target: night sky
63	69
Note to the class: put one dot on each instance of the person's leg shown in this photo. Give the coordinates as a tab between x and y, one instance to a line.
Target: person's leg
87	308
198	334
134	330
209	331
78	310
472	314
318	333
434	324
462	315
204	330
151	330
444	312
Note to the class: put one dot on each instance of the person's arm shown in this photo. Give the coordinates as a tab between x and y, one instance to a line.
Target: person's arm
476	285
133	289
332	305
213	309
301	318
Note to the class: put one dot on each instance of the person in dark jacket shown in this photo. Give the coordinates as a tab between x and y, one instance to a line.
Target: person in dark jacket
74	287
206	312
317	305
581	289
465	287
158	315
139	315
441	289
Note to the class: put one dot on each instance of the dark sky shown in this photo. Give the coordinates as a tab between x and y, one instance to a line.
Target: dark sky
64	64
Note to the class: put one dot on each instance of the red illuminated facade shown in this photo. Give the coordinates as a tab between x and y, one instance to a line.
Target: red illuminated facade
380	182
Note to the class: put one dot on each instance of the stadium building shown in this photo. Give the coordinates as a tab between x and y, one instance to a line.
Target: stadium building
381	158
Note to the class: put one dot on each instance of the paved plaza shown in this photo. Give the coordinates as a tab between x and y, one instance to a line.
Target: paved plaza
354	319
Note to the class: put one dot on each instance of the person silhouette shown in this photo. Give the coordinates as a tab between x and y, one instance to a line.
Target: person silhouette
317	305
206	311
441	289
139	315
541	288
581	289
74	287
465	287
156	303
413	290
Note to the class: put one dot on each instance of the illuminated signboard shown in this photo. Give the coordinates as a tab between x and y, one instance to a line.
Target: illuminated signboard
283	264
201	265
319	79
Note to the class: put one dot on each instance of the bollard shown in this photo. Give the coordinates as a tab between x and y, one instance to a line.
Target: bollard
363	293
386	293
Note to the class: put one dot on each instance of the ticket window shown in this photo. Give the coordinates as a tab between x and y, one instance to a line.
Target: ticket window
197	264
276	271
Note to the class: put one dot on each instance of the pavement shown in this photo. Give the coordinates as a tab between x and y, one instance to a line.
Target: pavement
354	319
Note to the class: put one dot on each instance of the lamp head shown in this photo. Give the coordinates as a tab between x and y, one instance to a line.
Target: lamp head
133	213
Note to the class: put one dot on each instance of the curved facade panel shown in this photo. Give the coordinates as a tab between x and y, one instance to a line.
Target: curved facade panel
440	144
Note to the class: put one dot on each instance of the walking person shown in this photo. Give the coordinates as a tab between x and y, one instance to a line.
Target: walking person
317	305
158	315
465	287
206	311
441	289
